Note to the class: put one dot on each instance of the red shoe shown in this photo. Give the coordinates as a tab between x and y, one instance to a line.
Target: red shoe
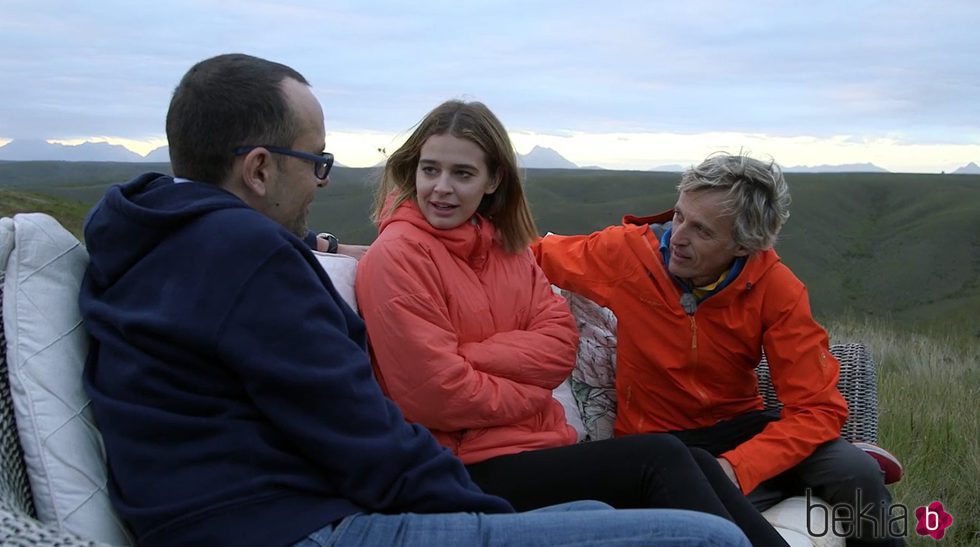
890	466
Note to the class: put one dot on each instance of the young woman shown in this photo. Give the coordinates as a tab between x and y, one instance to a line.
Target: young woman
469	340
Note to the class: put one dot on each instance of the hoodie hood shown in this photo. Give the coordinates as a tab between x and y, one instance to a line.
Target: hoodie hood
133	218
470	241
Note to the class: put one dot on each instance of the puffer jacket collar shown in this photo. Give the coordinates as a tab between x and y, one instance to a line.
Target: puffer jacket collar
471	241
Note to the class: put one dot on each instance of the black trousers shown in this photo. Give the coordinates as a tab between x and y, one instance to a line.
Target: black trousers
638	471
837	471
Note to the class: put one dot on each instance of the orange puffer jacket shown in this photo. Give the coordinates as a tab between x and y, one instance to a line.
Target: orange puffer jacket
677	371
467	339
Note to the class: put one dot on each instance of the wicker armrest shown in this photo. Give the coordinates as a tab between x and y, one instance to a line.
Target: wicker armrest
857	383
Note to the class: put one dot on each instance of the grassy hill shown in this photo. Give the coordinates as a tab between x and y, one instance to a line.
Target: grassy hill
905	248
70	213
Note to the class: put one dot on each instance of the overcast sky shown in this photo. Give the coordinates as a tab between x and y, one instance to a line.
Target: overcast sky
632	84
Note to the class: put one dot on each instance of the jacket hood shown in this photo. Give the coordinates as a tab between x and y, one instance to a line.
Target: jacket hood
471	240
132	218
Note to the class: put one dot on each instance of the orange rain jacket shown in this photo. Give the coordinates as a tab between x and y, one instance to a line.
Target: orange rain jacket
467	339
677	372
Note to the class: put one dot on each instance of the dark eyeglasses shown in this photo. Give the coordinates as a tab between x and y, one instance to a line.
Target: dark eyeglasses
321	162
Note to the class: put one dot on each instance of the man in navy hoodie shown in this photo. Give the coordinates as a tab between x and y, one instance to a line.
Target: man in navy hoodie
230	380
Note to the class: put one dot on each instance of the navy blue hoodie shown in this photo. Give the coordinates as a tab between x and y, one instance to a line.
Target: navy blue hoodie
230	380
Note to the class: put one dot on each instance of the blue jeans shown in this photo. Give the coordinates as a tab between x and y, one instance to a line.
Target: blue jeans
576	523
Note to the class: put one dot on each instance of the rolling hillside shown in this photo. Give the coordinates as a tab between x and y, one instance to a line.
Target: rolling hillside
902	248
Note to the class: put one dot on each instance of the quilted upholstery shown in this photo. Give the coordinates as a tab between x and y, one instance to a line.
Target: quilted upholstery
18	524
46	348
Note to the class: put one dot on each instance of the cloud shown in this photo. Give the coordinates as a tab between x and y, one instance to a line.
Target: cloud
899	69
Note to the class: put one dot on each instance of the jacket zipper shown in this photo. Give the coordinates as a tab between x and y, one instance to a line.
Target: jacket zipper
694	336
694	362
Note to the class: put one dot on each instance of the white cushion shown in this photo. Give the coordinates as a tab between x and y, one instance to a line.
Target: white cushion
46	349
789	518
573	416
794	538
342	270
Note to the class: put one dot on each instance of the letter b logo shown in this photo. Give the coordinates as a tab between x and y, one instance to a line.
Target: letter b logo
932	520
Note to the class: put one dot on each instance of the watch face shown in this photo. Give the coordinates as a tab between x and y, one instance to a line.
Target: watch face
332	241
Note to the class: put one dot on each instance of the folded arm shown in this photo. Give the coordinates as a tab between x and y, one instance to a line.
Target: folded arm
417	353
542	351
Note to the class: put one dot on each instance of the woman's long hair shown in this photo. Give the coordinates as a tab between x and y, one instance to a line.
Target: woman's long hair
506	207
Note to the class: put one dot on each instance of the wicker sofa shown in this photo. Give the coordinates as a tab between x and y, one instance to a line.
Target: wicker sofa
20	525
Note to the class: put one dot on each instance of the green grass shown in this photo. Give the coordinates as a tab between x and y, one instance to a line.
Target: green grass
70	213
928	391
63	174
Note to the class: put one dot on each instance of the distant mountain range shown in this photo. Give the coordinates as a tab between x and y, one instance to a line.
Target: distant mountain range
38	150
844	168
544	158
539	157
35	150
669	168
161	154
968	169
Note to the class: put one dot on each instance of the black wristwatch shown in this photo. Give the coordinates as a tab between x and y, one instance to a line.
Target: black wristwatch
332	241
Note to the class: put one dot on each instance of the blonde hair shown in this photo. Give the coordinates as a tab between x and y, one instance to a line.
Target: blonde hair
507	207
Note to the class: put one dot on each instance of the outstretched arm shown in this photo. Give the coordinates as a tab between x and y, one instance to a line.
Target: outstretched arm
590	265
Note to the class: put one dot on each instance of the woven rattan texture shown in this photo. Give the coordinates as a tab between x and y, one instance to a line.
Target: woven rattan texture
858	384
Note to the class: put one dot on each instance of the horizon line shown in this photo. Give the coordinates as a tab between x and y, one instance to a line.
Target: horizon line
531	141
